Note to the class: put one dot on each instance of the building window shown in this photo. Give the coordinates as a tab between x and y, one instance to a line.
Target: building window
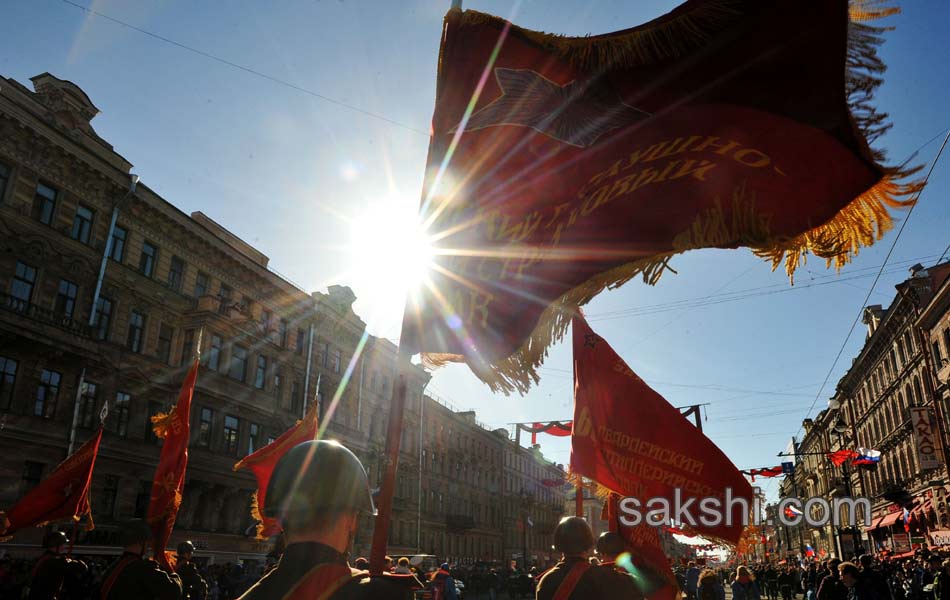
110	490
253	438
24	278
103	318
325	355
154	408
231	427
260	374
247	305
176	273
214	353
87	404
188	347
165	334
205	420
8	368
136	331
117	252
238	368
202	284
66	298
337	356
946	343
278	383
225	298
121	416
44	204
296	398
265	320
82	224
283	333
32	475
142	499
47	393
4	180
147	259
300	342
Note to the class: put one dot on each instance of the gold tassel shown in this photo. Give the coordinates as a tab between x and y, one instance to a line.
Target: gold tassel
256	514
161	423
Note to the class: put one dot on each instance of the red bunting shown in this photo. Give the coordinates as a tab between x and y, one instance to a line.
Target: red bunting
631	441
555	428
559	167
64	494
839	457
262	462
764	472
169	477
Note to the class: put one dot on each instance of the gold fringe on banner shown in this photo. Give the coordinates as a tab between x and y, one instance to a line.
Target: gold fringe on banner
256	514
161	423
860	223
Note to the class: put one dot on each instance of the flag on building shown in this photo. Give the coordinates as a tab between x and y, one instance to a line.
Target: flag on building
906	520
261	464
64	494
169	478
559	167
839	457
631	441
867	456
791	512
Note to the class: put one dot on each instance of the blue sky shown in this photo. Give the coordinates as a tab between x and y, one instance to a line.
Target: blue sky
286	171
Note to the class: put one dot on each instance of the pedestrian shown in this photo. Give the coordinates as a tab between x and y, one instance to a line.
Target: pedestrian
402	566
133	575
442	584
745	587
573	577
316	493
941	585
692	580
193	587
611	577
859	588
52	568
831	587
709	586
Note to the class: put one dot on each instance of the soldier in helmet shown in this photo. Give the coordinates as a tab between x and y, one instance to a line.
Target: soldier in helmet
133	576
52	568
573	578
609	575
317	492
193	587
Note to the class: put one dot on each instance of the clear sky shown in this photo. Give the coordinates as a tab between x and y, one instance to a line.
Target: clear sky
289	172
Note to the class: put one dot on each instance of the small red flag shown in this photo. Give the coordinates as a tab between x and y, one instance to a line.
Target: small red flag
262	462
839	457
170	473
562	166
555	428
631	441
764	472
62	495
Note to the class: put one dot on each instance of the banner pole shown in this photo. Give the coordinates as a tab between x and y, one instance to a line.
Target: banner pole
385	498
579	497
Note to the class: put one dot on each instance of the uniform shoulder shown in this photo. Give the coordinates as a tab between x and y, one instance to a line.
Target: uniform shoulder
383	587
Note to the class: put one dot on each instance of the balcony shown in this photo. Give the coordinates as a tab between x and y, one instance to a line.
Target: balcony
44	315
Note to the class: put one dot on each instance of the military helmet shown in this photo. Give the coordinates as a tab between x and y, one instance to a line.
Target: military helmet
610	543
55	539
134	531
573	536
186	547
315	476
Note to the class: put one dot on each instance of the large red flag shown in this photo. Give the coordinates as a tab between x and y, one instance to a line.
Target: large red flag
561	166
262	462
62	495
170	474
650	565
630	440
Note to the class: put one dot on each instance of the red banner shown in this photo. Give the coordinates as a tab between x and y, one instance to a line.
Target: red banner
654	576
763	472
262	462
630	440
559	167
555	428
169	477
64	494
839	457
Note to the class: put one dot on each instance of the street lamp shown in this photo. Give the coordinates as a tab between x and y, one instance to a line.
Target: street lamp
841	428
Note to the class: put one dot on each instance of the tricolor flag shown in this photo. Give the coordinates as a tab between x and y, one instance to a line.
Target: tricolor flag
809	551
906	520
791	512
169	477
867	456
559	167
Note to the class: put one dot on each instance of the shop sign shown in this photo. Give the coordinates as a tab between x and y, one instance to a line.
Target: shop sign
925	440
940	537
901	542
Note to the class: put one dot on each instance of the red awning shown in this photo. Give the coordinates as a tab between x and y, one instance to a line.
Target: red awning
890	519
874	524
903	555
922	507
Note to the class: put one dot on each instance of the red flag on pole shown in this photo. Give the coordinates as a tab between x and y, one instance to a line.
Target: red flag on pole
64	494
559	167
630	440
839	457
170	474
262	462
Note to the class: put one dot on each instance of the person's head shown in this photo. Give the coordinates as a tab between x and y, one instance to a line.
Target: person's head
387	563
707	577
361	563
185	550
317	492
849	573
609	545
743	573
690	564
403	562
866	561
573	537
833	566
55	541
134	536
593	560
444	567
934	562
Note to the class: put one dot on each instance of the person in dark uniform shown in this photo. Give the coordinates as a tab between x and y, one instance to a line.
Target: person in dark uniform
193	587
52	568
573	578
611	576
317	492
133	576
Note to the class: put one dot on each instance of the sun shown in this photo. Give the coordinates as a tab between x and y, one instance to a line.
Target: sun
390	254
